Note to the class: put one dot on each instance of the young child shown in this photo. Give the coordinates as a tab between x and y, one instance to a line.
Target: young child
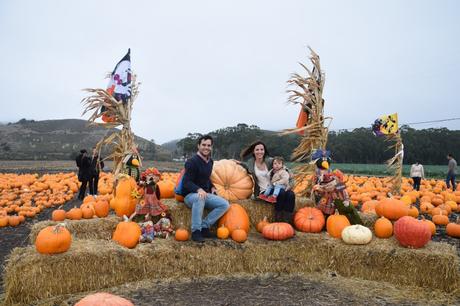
279	179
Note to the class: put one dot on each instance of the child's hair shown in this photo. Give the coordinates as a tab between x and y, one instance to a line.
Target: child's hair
279	159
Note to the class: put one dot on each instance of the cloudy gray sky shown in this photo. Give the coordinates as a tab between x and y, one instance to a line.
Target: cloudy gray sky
211	64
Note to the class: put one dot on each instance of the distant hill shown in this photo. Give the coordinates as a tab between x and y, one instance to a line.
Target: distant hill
170	145
60	140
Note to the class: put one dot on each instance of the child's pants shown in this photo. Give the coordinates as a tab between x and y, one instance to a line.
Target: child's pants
275	188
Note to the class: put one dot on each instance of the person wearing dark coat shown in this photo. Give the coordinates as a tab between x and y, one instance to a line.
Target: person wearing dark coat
96	165
83	163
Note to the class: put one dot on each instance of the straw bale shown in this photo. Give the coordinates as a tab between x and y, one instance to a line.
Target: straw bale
96	264
96	228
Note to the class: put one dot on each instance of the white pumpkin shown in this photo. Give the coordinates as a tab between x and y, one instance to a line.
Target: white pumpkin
356	234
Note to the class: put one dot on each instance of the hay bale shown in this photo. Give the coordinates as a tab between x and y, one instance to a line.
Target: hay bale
96	228
96	264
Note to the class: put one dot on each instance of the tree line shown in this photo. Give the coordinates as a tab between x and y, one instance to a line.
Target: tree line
429	146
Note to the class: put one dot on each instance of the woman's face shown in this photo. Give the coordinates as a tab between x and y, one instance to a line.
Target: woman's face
259	151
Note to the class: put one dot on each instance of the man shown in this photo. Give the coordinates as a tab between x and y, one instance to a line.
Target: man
83	164
451	171
417	173
95	166
200	193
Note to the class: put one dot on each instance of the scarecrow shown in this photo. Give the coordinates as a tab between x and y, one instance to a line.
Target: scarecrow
329	189
131	164
150	206
163	228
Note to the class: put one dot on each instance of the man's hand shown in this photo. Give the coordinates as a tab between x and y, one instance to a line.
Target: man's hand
202	194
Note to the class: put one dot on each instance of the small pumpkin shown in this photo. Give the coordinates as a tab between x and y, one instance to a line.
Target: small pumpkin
278	231
53	240
239	235
103	299
261	224
127	233
87	211
441	219
181	234
74	214
223	232
335	225
58	215
13	220
356	234
411	233
453	229
101	208
383	228
309	220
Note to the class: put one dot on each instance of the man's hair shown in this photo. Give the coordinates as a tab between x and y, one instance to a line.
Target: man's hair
278	158
83	151
205	137
450	155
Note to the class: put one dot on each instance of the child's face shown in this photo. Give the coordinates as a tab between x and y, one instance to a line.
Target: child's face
277	164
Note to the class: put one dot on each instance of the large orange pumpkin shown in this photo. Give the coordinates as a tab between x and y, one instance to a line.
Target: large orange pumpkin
127	233
166	189
391	208
53	240
123	202
101	208
278	231
103	299
453	229
309	220
411	232
235	217
231	180
335	225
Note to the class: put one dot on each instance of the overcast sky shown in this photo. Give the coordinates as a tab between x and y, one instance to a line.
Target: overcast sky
211	64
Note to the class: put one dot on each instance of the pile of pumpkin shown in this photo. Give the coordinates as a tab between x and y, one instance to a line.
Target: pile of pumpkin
25	196
92	207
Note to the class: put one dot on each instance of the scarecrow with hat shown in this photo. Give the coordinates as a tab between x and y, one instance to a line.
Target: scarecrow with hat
329	189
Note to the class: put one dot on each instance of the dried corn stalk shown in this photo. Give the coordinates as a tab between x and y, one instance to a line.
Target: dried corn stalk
308	92
121	141
395	164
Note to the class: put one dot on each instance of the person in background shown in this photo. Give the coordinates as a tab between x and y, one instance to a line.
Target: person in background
95	167
451	171
417	174
83	163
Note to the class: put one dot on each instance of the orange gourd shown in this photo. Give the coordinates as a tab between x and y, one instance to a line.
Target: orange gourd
223	232
181	234
239	235
261	224
123	202
391	208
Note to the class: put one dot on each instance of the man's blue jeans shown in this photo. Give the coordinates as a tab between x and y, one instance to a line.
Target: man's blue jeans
216	204
450	180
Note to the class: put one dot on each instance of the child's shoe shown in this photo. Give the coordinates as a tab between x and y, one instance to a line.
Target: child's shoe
263	197
271	199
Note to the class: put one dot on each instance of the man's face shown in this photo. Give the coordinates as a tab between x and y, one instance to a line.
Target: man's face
205	147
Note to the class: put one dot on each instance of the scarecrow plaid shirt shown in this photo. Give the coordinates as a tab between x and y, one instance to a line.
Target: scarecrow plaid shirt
326	203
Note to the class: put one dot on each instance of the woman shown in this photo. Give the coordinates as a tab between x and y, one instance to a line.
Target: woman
258	165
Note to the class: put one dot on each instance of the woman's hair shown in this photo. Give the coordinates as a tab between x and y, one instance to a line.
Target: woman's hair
250	150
